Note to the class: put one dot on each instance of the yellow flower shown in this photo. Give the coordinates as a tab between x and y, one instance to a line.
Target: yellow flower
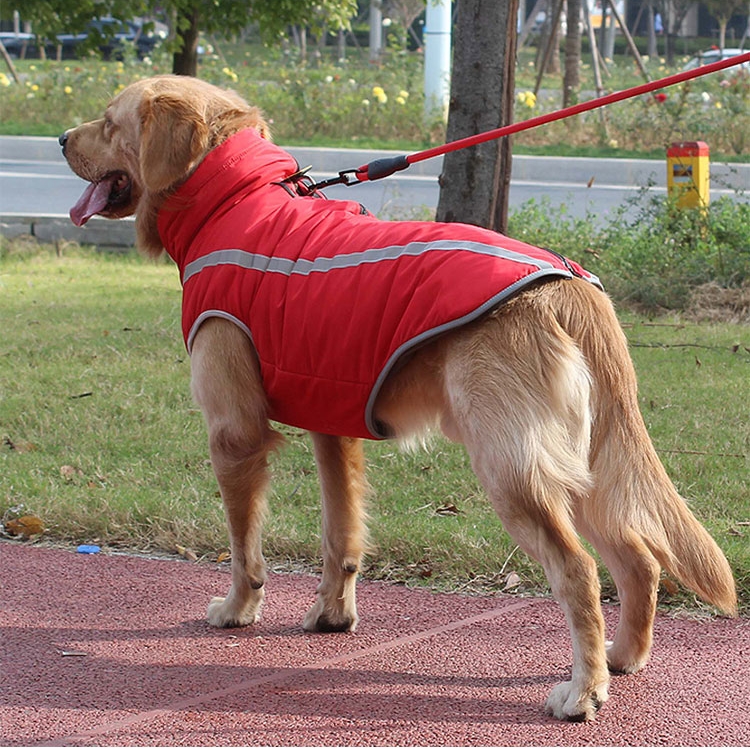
400	100
527	98
68	90
717	105
35	87
4	80
379	94
403	94
230	74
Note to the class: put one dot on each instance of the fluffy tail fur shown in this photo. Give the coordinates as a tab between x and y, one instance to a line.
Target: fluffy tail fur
634	504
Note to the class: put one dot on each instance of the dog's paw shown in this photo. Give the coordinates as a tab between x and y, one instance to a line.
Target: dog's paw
321	619
568	702
618	660
222	614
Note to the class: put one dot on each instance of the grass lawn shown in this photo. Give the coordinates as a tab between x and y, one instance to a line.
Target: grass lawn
100	438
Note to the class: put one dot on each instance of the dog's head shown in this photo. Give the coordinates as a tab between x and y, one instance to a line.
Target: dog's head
152	136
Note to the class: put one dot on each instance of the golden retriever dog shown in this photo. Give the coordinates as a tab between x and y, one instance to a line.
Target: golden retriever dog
537	384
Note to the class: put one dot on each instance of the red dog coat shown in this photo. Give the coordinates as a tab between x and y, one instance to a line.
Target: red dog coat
330	296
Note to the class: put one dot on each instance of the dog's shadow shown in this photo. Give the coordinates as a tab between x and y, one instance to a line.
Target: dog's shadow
251	670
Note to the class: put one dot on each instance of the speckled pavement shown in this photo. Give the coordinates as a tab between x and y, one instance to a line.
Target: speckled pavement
107	650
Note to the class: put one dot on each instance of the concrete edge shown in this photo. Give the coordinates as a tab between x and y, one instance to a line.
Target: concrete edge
53	229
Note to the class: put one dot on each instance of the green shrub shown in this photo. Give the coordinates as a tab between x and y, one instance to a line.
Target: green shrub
650	253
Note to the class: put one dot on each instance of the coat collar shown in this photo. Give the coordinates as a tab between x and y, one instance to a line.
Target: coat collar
244	163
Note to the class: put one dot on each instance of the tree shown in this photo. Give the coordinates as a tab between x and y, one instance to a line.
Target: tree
228	17
51	17
189	17
722	11
475	182
571	78
404	13
673	13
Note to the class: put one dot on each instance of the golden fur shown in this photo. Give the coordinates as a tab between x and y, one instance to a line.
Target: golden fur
542	393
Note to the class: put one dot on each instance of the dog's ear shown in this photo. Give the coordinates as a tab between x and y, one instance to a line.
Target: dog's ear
174	136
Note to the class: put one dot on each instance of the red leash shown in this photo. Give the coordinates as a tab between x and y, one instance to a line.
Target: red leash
379	168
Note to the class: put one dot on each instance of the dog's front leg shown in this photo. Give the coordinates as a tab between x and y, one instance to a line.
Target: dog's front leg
228	388
341	467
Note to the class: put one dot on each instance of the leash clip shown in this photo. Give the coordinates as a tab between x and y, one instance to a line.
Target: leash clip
303	185
299	183
346	177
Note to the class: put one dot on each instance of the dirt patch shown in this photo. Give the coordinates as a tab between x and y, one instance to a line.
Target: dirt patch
713	303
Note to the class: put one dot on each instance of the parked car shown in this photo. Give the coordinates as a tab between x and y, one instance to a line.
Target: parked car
714	55
18	45
109	35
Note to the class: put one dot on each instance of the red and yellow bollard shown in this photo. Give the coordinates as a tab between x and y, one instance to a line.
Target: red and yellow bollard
688	174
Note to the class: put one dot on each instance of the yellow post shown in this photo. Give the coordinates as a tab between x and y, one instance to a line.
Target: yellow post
688	174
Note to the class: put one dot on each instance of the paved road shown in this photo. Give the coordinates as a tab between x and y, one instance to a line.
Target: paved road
35	180
111	650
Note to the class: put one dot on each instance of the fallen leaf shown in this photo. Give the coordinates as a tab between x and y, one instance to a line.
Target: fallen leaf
697	362
69	473
448	509
186	552
224	557
512	580
590	182
19	446
25	526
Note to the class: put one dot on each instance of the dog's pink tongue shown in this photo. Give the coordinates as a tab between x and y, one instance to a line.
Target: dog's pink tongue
94	199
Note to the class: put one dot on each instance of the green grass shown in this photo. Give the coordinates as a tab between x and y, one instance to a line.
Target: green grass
101	440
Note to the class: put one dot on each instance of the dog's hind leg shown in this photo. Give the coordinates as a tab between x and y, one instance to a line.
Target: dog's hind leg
227	386
633	515
341	466
635	572
519	391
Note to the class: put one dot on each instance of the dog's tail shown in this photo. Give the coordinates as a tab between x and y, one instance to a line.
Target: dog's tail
633	493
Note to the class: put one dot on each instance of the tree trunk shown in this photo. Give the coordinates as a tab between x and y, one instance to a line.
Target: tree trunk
475	182
571	80
548	51
185	61
653	52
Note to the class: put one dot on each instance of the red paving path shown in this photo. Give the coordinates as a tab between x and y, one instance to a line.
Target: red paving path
423	669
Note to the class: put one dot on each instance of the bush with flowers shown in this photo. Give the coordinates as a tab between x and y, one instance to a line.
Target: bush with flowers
353	102
715	109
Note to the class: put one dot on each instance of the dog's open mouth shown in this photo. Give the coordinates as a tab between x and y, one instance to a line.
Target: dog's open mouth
112	191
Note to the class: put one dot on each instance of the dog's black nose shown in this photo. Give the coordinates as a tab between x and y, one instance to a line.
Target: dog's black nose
63	139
